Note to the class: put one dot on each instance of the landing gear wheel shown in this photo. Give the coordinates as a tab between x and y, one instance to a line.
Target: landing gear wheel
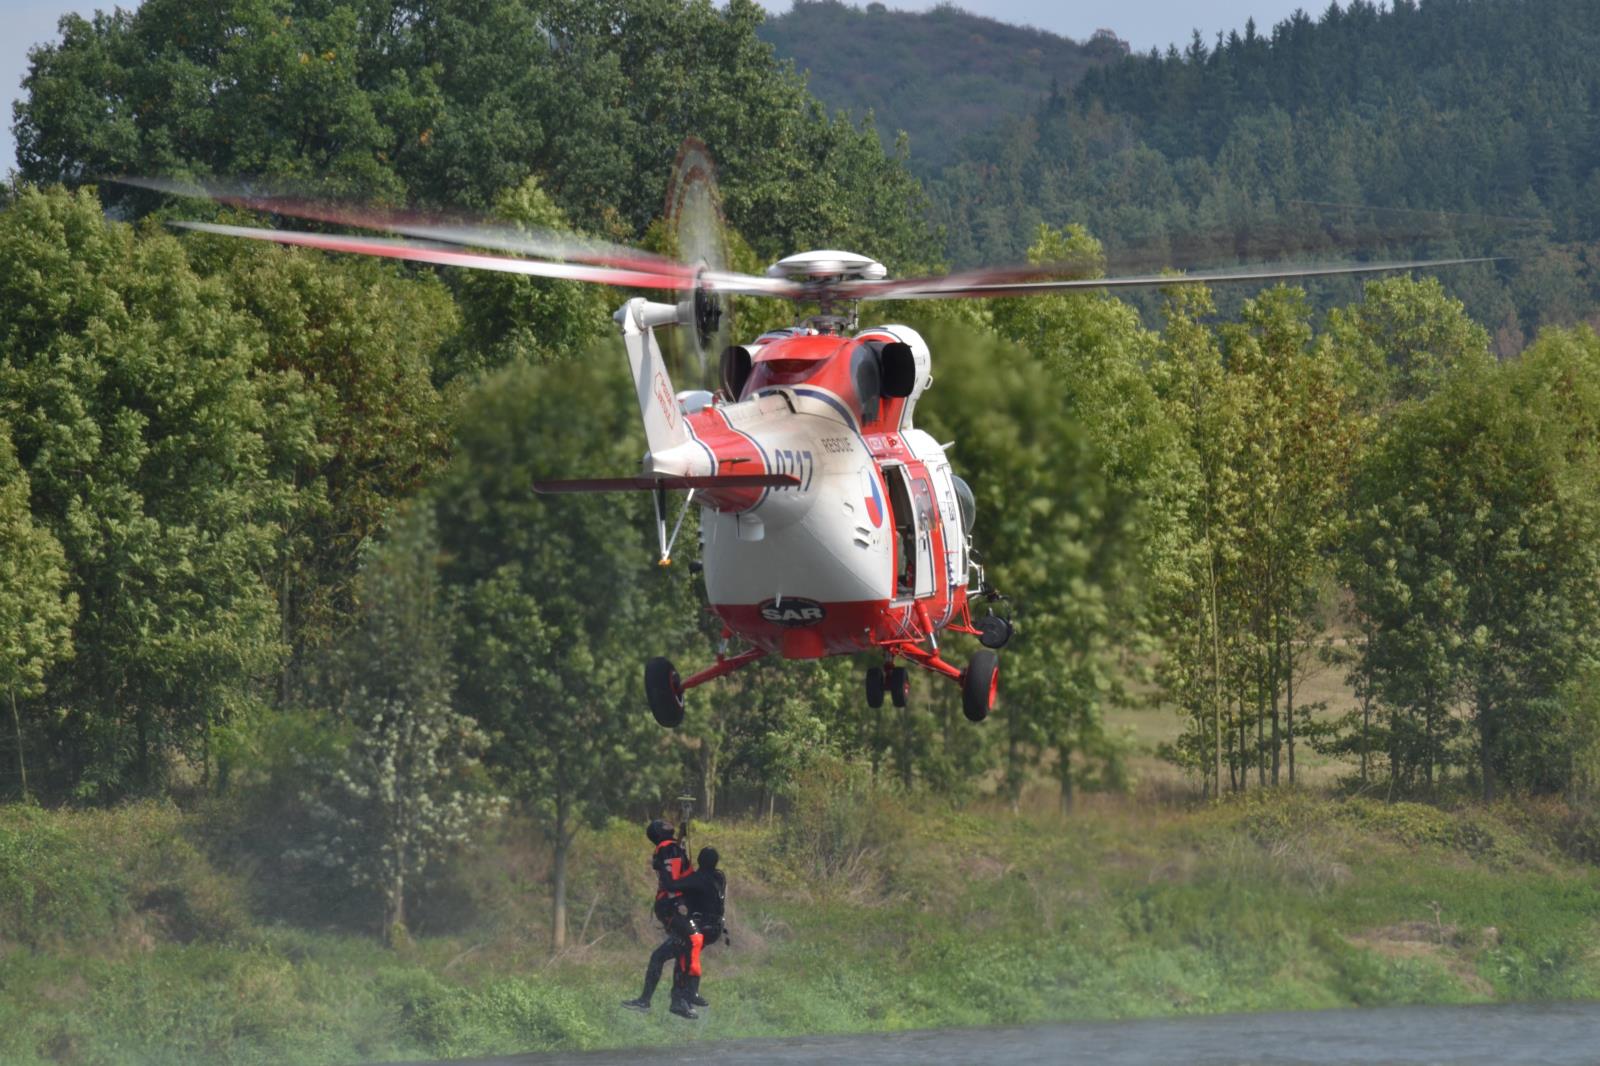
898	684
664	689
979	683
874	687
994	632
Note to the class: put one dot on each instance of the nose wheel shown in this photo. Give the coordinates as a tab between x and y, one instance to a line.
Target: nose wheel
874	687
891	681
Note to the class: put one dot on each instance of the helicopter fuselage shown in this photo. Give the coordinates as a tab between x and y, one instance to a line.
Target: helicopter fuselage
868	548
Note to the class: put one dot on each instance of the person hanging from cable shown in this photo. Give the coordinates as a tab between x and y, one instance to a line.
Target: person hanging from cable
669	861
705	897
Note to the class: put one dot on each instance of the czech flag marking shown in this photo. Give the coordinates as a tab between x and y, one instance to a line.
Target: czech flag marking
874	501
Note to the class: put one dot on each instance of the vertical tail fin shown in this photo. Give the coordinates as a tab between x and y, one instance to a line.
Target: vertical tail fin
658	401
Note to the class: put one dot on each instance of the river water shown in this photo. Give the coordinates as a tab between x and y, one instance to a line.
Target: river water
1561	1034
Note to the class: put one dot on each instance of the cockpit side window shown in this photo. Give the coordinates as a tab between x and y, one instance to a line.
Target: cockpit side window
924	496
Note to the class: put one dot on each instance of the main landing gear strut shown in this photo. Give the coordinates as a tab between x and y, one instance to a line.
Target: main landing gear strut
980	681
664	689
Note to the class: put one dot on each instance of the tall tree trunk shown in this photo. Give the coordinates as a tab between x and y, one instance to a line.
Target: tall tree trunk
394	910
708	778
16	724
905	746
1064	775
1216	658
141	725
1366	734
1261	728
1486	751
1275	669
1427	724
1288	711
558	907
1244	748
285	634
1013	760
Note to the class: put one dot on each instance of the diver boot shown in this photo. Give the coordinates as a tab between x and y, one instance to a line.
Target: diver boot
692	993
681	1008
642	1004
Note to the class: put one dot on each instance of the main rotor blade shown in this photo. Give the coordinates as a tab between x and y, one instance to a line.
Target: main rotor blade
1002	275
420	252
956	288
441	255
538	243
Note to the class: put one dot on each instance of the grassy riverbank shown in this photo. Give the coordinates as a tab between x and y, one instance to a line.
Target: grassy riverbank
128	939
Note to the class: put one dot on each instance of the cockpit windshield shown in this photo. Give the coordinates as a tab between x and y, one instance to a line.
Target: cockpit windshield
968	504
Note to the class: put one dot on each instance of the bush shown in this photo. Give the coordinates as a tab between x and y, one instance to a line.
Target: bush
513	1014
83	875
840	821
53	885
1420	824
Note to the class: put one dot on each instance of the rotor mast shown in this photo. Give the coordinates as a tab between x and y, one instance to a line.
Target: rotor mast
821	272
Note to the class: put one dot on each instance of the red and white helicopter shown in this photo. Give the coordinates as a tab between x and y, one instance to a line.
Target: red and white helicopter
830	524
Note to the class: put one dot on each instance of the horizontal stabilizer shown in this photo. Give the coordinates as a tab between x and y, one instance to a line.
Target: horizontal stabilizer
636	484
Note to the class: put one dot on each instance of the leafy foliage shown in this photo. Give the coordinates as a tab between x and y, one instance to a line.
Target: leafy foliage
455	103
403	796
1474	554
553	603
126	382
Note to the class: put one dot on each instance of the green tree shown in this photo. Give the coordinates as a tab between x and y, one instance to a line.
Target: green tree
1206	406
1475	555
345	358
403	795
36	612
1053	534
1297	439
1403	338
126	381
451	103
1095	355
560	604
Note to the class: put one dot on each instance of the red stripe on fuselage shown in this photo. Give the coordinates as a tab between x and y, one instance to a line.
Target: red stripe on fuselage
735	452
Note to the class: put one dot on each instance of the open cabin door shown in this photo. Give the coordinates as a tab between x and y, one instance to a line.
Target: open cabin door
911	501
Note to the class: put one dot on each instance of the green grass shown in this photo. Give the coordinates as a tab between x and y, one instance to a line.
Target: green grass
124	943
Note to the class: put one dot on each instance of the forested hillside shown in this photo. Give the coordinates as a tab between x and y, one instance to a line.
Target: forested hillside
1482	107
939	75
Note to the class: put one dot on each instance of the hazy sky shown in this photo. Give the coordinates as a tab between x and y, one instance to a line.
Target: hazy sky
1143	23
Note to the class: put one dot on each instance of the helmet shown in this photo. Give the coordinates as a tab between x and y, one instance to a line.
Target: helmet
658	831
707	859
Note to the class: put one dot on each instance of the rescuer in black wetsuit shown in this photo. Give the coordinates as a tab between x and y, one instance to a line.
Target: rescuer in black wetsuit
669	862
705	894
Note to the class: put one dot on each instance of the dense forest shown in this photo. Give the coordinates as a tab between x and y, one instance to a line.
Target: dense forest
266	533
1433	128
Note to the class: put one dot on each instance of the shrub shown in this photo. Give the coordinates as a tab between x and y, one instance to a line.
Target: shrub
53	885
840	820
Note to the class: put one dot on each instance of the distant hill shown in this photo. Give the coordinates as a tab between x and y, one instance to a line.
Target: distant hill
1231	150
938	75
